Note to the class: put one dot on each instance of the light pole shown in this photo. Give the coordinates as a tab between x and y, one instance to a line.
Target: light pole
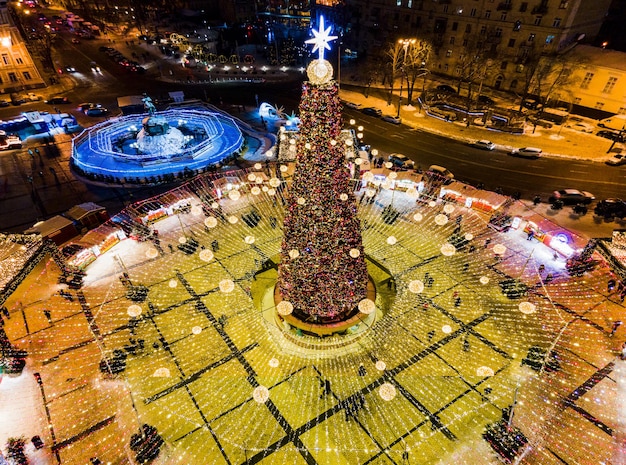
405	45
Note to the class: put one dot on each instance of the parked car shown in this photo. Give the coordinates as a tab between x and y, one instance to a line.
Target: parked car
445	88
57	100
96	111
580	126
484	144
485	100
531	104
354	106
10	141
441	171
616	160
4	103
612	135
87	105
611	208
391	119
572	197
527	152
401	161
372	111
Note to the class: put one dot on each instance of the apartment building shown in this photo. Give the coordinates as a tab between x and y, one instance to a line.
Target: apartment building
17	69
505	31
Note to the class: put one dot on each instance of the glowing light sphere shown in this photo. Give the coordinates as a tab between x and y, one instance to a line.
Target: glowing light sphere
388	165
393	175
367	177
251	177
418	217
255	190
226	285
484	371
196	330
134	310
152	253
260	394
232	219
380	365
374	152
391	240
161	373
259	180
182	240
206	255
416	286
387	184
271	192
333	142
343	197
370	192
484	280
294	253
172	283
349	143
527	307
307	146
283	168
387	391
499	249
446	329
301	200
273	362
441	219
355	253
412	192
196	210
448	208
258	166
264	188
358	161
215	205
448	249
432	203
249	239
210	222
234	194
284	307
469	236
367	306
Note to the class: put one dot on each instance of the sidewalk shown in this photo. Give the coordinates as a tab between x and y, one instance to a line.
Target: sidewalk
555	142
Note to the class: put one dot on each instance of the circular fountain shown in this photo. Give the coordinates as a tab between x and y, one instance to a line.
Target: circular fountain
140	149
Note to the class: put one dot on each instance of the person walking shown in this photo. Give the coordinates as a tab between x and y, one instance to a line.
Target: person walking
48	315
616	324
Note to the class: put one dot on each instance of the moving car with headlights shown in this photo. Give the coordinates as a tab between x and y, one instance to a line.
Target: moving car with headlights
96	111
572	197
484	144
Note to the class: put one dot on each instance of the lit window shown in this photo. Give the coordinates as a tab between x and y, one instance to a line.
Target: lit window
503	16
498	32
487	14
449	53
27	76
531	38
608	87
563	5
12	77
473	12
5	58
586	81
517	26
556	22
538	20
19	60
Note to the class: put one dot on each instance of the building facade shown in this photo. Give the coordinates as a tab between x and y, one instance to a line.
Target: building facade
17	69
505	32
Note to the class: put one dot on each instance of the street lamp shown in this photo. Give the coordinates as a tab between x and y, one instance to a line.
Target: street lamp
405	45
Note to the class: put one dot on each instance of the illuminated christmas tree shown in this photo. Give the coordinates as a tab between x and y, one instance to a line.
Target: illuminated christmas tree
322	274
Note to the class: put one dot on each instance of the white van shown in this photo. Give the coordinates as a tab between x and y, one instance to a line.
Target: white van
615	122
441	171
401	161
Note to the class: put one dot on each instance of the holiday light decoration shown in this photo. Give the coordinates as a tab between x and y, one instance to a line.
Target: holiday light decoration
327	281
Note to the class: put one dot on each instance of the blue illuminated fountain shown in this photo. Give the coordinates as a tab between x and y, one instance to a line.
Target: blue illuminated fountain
144	149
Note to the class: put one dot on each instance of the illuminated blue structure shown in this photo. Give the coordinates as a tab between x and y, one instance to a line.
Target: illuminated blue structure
144	149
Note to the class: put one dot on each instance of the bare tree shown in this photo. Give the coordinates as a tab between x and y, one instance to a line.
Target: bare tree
415	62
394	53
